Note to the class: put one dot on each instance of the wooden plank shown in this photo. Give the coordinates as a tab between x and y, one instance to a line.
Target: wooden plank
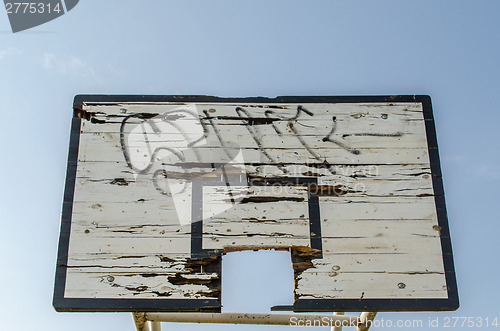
100	190
372	286
382	245
334	155
89	284
86	244
148	263
356	111
374	138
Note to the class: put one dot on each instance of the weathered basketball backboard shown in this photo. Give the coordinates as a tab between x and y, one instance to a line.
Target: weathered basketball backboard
160	187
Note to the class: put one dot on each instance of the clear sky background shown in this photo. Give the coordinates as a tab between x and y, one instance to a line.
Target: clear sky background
447	49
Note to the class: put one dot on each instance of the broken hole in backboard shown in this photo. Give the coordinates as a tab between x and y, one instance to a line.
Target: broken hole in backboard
254	281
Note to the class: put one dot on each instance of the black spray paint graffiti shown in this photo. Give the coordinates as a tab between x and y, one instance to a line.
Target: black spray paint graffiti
177	152
210	132
175	145
336	142
149	127
255	133
291	122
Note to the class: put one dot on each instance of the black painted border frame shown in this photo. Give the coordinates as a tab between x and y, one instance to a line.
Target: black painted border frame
197	250
61	303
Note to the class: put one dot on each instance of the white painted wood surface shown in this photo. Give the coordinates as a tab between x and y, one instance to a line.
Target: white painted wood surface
381	230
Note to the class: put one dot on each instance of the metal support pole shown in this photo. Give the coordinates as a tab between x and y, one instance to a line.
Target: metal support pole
253	318
155	326
140	321
366	319
337	327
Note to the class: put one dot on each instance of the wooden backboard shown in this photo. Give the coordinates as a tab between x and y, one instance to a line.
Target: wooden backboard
158	188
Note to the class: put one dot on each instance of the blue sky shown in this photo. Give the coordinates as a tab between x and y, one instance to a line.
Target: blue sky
448	50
